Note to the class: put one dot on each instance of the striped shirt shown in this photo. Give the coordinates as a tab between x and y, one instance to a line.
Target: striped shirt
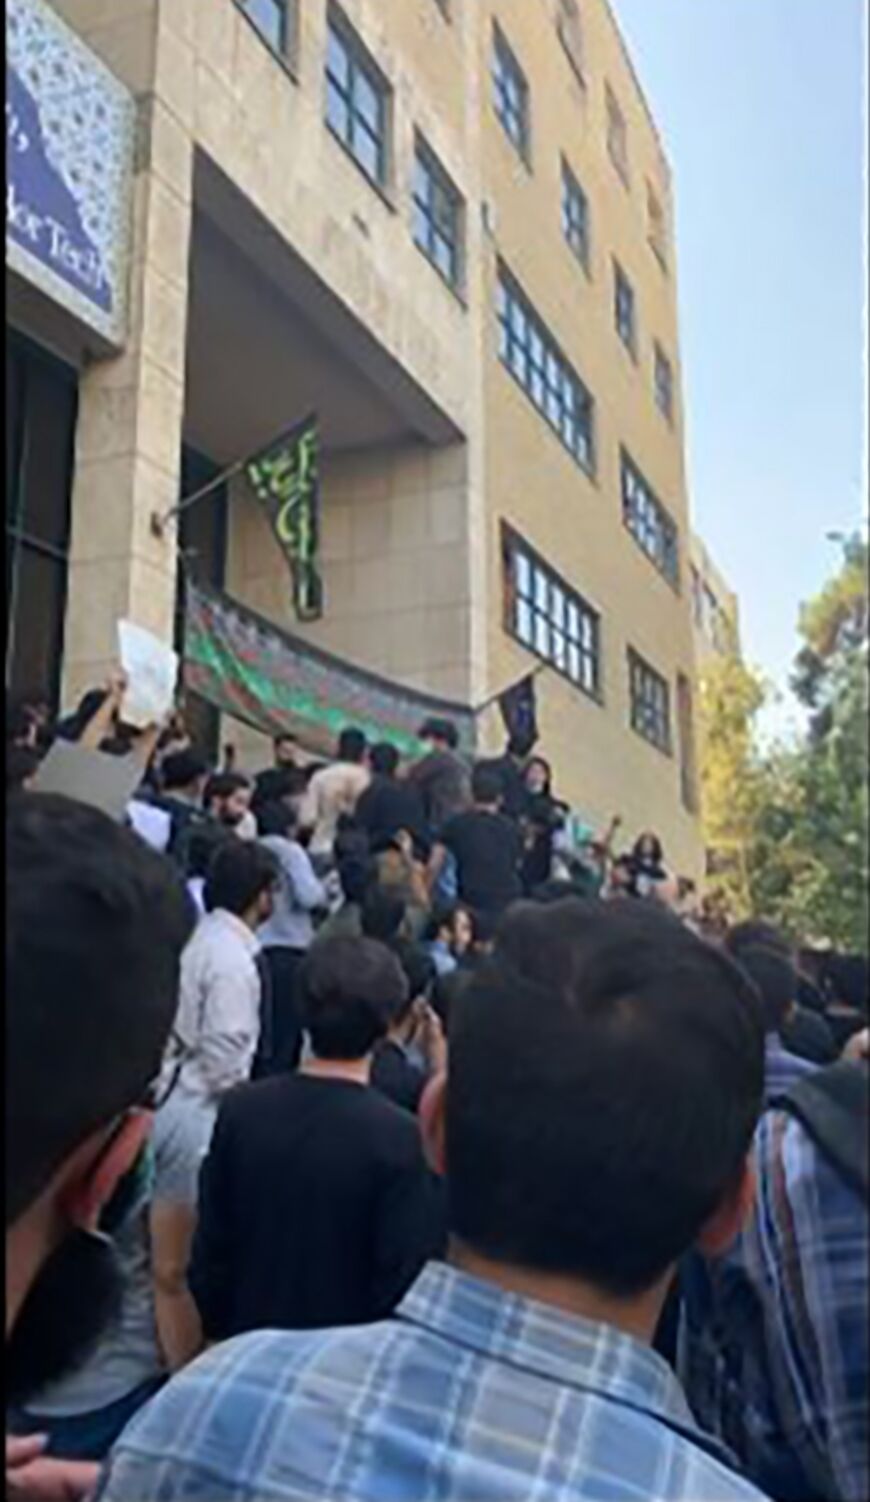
469	1394
774	1344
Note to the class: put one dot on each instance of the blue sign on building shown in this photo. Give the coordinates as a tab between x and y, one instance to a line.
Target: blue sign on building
69	165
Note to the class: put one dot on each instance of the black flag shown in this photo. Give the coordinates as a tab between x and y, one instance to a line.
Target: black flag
286	478
518	707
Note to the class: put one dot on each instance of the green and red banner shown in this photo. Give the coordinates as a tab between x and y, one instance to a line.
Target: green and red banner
249	668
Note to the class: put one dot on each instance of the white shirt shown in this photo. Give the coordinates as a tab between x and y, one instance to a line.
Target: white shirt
332	791
152	825
218	1017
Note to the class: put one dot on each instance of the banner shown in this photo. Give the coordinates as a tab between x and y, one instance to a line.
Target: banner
518	705
249	668
285	477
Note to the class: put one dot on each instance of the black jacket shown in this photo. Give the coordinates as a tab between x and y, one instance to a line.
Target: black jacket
316	1208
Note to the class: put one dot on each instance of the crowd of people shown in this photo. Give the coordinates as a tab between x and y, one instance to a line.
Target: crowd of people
366	1139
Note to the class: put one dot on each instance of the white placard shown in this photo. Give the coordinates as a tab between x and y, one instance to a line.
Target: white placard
152	672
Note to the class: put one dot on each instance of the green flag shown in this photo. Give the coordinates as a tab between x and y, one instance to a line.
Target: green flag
286	479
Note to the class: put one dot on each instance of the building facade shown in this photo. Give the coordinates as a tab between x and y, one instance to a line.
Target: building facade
446	227
715	608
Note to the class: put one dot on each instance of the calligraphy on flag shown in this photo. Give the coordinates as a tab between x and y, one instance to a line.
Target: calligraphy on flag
285	477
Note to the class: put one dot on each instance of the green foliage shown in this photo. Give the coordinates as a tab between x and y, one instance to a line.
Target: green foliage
797	817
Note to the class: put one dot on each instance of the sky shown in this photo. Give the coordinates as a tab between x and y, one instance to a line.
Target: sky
761	106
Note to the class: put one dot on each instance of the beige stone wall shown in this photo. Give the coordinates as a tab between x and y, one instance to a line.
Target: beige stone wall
576	522
726	599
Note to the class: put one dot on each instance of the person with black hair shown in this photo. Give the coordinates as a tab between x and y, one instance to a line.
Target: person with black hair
288	932
448	935
221	994
604	1080
316	1205
441	777
486	846
544	817
227	799
803	1031
510	769
183	776
383	914
333	791
391	804
414	1048
95	927
647	864
774	974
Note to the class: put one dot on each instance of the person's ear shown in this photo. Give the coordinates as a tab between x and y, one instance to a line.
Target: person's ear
431	1114
732	1213
89	1190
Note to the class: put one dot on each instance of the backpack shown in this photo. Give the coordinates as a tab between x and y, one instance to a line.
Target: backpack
833	1107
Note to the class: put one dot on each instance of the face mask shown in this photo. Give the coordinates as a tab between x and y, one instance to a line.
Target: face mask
75	1298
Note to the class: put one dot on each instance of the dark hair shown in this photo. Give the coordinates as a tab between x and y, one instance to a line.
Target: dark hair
350	992
286	735
21	764
775	977
657	849
356	873
541	761
484	925
224	784
383	914
181	769
641	1079
71	727
443	916
439	730
486	783
21	718
277	819
203	840
419	972
351	745
277	783
240	871
95	926
384	759
755	931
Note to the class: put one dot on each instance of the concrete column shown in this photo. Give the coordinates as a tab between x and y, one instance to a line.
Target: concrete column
131	408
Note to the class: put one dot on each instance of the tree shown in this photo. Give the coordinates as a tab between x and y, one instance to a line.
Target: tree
788	826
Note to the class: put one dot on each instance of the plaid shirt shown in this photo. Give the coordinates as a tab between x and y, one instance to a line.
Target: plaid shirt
774	1344
468	1394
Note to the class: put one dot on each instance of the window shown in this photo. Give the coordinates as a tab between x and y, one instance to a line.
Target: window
617	135
549	617
570	30
575	216
650	703
535	361
697	599
271	20
511	94
624	309
649	523
656	221
356	101
41	406
664	383
688	758
437	216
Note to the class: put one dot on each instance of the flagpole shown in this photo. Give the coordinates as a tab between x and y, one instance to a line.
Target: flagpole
159	519
541	667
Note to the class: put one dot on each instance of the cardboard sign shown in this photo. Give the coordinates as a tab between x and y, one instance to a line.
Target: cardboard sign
152	673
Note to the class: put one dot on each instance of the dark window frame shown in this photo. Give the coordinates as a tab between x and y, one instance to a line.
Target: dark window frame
572	628
360	66
664	388
285	49
21	541
625	300
650	703
531	355
657	233
439	185
617	130
650	523
515	116
576	217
